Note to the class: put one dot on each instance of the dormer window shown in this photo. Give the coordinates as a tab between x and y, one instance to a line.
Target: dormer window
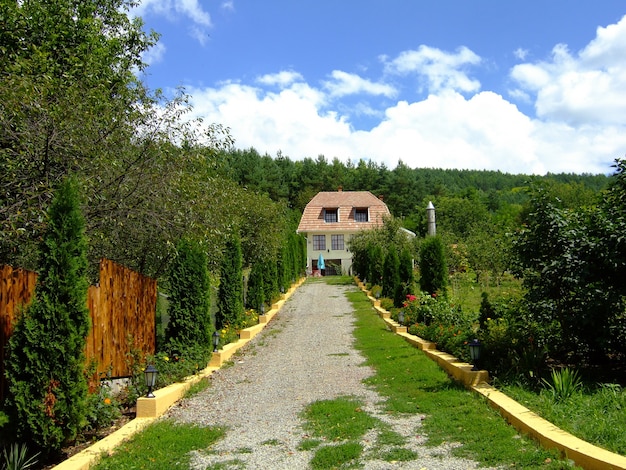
361	214
331	215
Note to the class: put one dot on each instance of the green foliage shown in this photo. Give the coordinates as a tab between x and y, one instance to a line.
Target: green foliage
161	446
102	408
391	277
255	297
189	303
17	458
336	456
412	383
338	419
230	293
45	363
563	384
572	264
433	270
594	414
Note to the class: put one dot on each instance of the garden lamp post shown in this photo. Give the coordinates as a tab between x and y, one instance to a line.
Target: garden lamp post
262	309
474	350
150	376
401	317
216	340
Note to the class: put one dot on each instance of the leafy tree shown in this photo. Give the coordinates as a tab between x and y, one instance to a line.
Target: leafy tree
67	89
570	261
433	270
189	298
46	362
230	292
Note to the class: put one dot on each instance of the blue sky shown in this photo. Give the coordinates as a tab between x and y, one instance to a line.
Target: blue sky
518	86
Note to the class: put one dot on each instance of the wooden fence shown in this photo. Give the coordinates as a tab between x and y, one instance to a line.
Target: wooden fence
122	309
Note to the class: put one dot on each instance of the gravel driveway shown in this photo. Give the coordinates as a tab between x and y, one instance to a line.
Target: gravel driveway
305	354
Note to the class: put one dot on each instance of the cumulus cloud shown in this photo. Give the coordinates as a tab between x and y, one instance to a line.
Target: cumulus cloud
343	84
281	79
579	124
584	87
440	70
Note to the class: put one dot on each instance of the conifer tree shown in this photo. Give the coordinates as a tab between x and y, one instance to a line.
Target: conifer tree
230	293
46	362
433	269
189	299
256	295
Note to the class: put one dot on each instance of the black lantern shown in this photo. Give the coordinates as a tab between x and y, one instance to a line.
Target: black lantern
216	340
401	317
150	375
474	350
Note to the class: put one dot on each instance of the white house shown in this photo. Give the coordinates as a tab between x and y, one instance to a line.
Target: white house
330	219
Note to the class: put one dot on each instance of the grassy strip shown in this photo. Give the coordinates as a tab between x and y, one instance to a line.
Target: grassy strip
412	383
161	446
596	416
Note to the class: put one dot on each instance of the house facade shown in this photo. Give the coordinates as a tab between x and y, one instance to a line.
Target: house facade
330	219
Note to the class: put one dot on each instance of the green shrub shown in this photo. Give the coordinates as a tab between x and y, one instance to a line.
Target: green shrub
256	295
433	270
230	293
391	276
563	384
46	362
189	302
103	409
17	458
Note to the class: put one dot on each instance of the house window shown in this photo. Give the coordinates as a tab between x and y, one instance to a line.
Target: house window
336	242
331	215
361	214
319	242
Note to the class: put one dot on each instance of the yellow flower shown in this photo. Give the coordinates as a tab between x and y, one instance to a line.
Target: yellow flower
107	401
166	359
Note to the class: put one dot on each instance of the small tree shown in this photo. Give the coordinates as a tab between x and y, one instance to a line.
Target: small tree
256	295
189	298
433	269
230	293
391	276
46	362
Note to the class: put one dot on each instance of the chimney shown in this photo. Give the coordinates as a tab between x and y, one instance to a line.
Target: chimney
339	189
381	197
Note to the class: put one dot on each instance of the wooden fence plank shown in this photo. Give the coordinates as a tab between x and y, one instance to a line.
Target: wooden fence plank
122	306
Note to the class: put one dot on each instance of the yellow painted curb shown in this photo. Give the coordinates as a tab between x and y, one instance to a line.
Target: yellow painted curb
582	453
148	409
85	459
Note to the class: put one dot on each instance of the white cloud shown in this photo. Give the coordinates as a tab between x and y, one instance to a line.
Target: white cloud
583	88
441	70
281	79
520	53
580	126
155	54
228	5
344	84
188	10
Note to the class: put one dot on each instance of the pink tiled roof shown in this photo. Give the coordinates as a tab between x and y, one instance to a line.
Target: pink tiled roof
346	201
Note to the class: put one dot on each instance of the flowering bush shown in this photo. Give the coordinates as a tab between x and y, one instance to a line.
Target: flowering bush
435	319
102	408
